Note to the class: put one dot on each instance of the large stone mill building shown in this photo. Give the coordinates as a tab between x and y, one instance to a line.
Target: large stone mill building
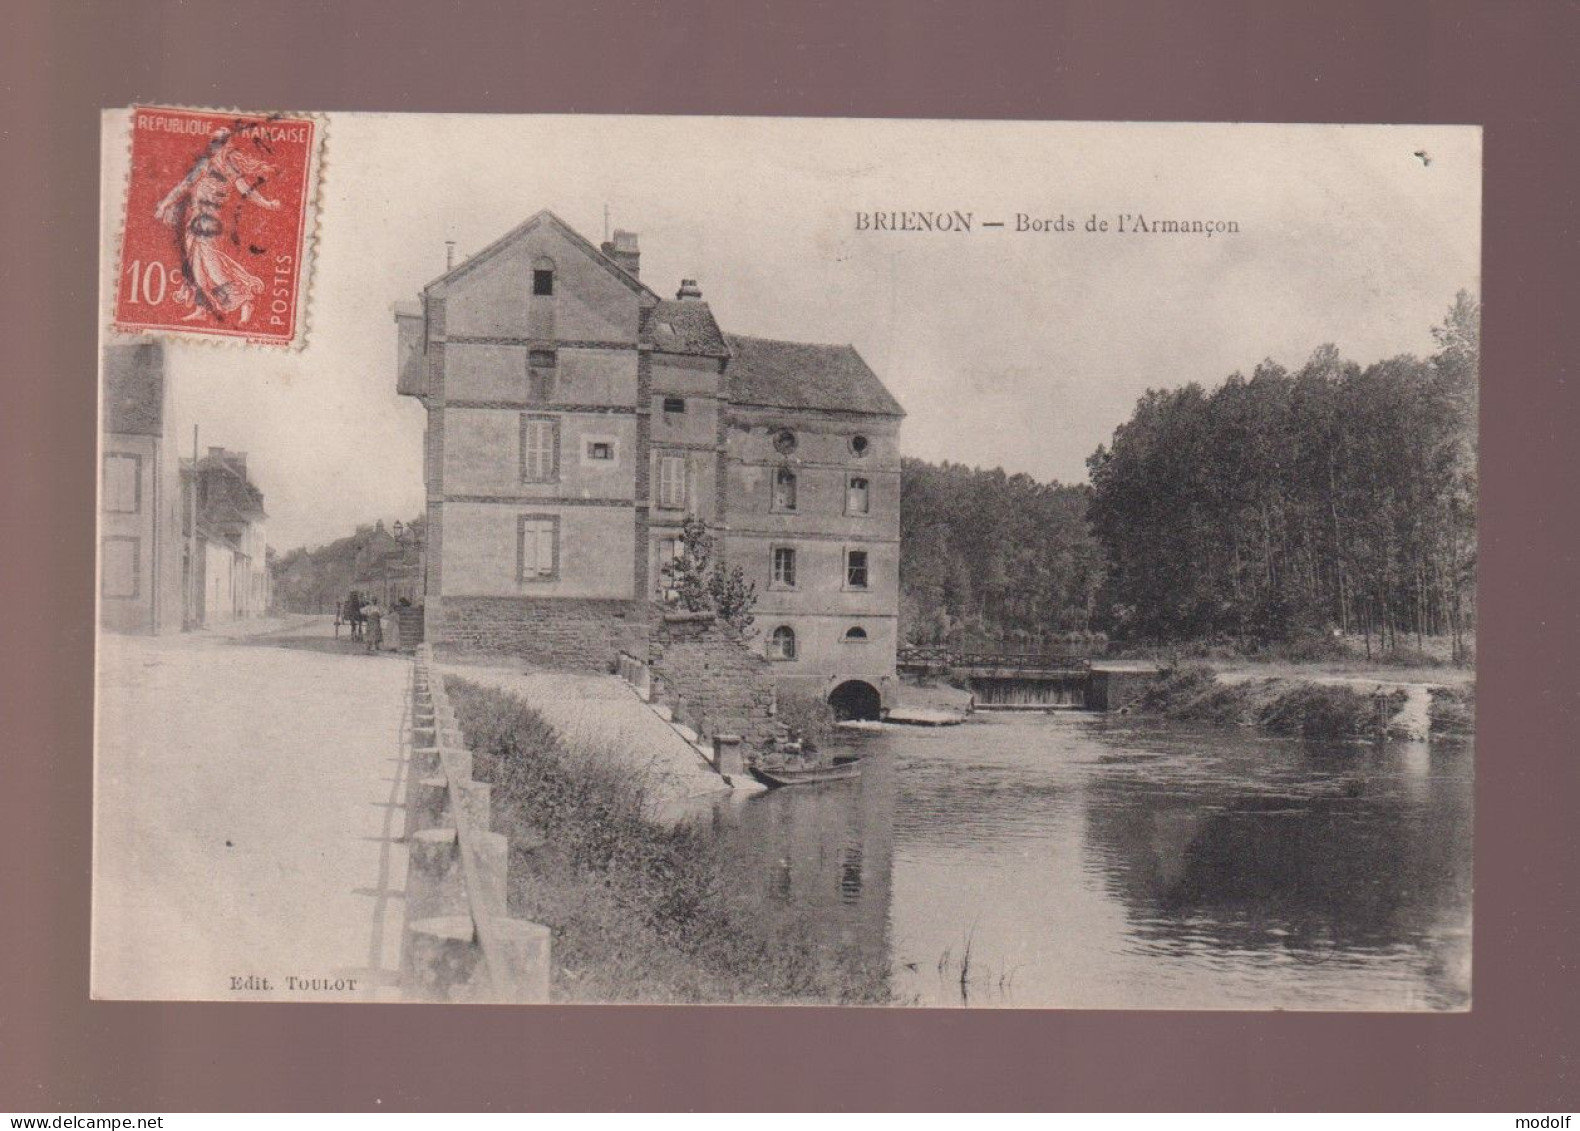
575	418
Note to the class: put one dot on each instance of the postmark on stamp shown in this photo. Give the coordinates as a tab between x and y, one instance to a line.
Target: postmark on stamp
217	224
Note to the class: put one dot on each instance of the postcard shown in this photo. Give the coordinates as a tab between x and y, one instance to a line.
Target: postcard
830	562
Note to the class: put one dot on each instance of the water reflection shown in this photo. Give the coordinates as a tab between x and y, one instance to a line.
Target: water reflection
1071	860
821	858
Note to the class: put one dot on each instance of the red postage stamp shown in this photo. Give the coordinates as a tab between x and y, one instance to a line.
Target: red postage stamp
217	224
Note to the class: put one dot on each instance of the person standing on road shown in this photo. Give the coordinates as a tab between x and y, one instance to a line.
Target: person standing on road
372	625
392	628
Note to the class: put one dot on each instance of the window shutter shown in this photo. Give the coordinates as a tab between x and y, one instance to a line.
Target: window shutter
672	482
538	549
122	483
528	550
545	549
540	443
856	496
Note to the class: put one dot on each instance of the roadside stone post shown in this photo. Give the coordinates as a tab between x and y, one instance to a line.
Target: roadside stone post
459	943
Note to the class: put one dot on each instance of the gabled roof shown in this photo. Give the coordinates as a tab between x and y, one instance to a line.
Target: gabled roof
232	497
544	216
763	371
687	327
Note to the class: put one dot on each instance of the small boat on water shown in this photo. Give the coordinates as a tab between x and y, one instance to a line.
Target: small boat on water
795	772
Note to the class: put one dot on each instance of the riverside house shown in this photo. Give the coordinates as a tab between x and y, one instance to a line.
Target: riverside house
575	418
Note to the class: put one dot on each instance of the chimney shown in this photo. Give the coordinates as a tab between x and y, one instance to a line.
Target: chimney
689	291
623	250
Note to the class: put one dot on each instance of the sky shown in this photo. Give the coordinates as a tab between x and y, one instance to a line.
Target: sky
1015	349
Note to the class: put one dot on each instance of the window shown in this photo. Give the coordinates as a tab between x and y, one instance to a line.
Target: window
781	645
543	275
600	450
674	404
120	564
784	441
784	567
857	499
540	449
856	635
859	446
672	482
123	482
855	569
537	547
784	489
668	552
541	372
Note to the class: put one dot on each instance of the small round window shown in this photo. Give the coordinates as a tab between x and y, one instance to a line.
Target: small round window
860	445
784	441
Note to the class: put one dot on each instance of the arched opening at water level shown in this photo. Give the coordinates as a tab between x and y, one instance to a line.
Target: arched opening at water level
855	699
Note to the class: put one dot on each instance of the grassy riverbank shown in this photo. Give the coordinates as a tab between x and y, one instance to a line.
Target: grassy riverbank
1429	660
642	911
1303	708
1453	711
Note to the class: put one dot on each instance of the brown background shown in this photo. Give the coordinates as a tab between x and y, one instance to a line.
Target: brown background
1508	66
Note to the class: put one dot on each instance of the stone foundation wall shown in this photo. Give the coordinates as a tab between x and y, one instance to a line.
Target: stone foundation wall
711	680
578	634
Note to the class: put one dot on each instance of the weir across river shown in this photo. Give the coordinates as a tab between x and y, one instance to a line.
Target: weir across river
1029	674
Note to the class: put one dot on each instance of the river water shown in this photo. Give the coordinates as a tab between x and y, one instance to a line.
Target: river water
1087	861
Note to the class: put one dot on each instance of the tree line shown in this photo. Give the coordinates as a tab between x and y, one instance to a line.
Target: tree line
1334	497
987	553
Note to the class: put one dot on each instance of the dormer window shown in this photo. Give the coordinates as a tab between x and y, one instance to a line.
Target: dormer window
543	276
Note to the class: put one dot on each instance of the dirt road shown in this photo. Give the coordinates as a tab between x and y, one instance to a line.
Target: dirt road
246	816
